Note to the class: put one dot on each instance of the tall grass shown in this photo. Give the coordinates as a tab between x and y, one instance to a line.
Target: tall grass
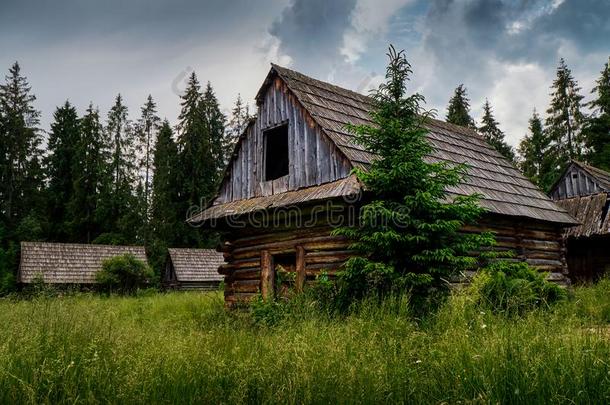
185	348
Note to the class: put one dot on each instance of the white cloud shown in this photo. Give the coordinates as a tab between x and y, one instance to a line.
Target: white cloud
368	19
514	94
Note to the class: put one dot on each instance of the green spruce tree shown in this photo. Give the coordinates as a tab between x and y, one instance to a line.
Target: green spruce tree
597	129
21	173
532	149
64	140
215	122
240	115
458	111
408	234
493	134
122	212
91	170
146	129
564	122
200	145
165	221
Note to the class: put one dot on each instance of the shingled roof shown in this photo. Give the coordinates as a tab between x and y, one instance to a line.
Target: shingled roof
196	265
68	263
503	188
592	213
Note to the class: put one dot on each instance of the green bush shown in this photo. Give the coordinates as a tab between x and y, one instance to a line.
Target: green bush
514	288
124	274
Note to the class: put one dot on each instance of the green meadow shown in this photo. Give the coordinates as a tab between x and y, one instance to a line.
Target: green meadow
186	348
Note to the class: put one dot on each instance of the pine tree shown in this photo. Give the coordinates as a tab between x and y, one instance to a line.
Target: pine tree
122	203
240	116
597	129
164	221
60	164
408	234
200	145
532	149
215	129
191	142
564	120
21	174
90	171
458	111
146	129
492	133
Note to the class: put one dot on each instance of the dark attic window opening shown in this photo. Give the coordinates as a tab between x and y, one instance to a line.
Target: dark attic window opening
276	152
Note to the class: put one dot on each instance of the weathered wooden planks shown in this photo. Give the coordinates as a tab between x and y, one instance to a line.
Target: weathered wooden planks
313	158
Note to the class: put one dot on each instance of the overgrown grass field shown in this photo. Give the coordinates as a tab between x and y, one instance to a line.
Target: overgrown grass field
185	348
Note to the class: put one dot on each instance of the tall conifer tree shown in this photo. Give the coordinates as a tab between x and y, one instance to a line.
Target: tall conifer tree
597	128
564	121
215	122
240	115
146	129
532	149
64	140
21	174
90	169
120	200
458	110
493	134
165	220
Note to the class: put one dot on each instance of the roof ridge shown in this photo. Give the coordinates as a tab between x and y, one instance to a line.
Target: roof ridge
80	244
369	99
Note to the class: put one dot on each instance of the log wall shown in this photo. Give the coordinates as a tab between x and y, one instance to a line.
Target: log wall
249	253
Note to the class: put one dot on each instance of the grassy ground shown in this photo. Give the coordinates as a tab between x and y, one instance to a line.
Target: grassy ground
185	348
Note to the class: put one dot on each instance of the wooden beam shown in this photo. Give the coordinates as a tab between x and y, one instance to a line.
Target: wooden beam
300	268
267	275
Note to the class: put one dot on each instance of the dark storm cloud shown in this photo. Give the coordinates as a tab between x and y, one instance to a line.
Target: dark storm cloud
311	32
145	21
515	30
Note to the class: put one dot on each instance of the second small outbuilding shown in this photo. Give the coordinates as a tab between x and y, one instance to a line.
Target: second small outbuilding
193	269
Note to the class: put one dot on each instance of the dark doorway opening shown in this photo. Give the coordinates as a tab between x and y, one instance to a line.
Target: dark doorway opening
284	266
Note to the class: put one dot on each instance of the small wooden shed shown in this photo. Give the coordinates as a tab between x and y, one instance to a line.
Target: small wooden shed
193	269
289	184
584	191
67	263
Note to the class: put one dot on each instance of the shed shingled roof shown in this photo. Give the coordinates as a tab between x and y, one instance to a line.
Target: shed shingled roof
196	265
68	263
592	213
503	188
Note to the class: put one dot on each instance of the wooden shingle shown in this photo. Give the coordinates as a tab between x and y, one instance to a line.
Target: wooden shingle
68	263
196	265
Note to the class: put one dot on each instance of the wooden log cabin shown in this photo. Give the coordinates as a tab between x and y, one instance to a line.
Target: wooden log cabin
290	182
584	191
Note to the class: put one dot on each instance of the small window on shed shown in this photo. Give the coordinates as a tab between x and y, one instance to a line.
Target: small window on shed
276	152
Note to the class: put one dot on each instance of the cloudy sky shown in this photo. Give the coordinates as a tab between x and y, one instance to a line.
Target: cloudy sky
506	50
